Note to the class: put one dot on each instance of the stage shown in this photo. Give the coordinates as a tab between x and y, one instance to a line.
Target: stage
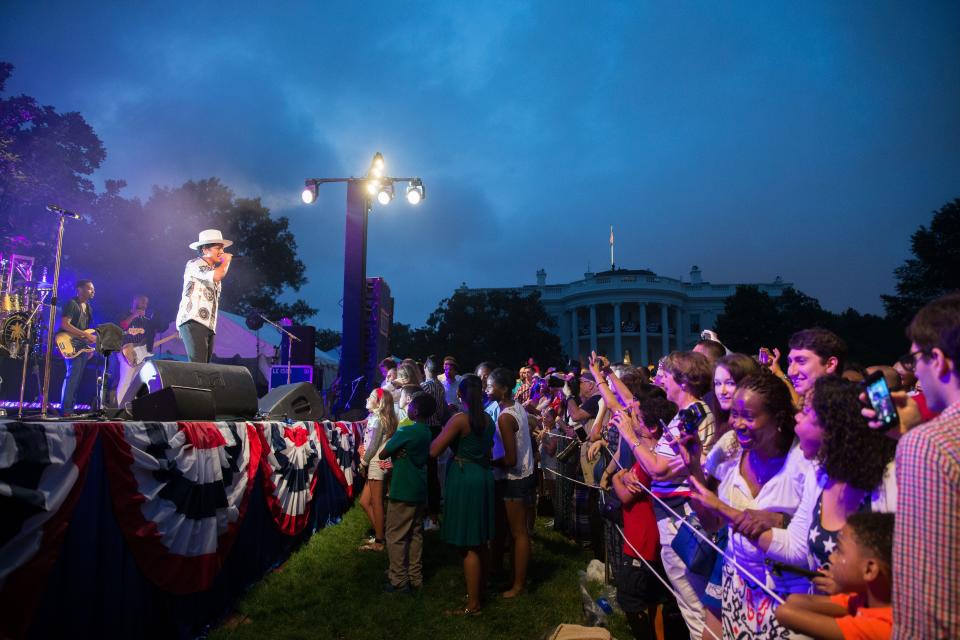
150	529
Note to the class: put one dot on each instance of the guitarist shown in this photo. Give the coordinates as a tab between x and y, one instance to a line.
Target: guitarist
76	318
133	340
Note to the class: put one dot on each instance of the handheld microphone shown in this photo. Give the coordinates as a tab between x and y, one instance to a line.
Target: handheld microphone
64	212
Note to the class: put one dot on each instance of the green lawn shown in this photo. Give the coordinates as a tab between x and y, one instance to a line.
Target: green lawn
328	589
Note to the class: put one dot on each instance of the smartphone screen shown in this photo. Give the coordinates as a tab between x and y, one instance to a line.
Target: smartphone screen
880	399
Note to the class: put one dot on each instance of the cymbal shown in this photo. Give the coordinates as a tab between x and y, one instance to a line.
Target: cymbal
37	284
18	240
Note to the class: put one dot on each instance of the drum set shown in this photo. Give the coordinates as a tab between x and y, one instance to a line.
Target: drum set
22	296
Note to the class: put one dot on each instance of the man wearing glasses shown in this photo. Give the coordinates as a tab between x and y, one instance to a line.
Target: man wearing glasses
926	545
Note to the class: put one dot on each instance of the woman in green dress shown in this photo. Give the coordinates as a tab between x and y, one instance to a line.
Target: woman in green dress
468	503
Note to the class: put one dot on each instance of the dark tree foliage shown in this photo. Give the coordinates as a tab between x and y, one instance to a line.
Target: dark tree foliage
124	245
935	268
328	339
505	327
752	319
45	157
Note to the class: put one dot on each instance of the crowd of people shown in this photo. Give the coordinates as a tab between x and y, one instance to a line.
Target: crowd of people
738	499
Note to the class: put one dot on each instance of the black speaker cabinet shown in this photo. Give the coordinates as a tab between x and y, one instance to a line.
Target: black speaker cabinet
175	403
234	393
297	401
304	349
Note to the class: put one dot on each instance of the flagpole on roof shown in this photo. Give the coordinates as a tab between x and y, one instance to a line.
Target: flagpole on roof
611	248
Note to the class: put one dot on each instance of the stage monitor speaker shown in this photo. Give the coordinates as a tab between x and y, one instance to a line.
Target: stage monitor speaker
296	401
234	392
304	349
175	403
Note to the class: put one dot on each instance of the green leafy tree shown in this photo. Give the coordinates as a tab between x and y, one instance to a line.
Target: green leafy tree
328	339
752	319
501	326
933	270
45	157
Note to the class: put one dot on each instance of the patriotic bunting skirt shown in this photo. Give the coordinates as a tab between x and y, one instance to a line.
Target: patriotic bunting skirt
178	493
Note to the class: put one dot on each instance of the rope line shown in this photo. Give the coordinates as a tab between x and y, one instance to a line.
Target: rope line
729	557
665	583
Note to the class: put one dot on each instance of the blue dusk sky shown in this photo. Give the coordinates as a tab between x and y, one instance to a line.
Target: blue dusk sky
754	139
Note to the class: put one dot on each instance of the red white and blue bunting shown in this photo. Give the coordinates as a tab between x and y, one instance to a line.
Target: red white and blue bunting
42	470
180	491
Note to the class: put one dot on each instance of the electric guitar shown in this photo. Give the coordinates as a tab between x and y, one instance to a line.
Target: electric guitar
134	355
71	347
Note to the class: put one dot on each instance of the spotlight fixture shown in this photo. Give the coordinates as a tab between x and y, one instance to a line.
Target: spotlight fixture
309	195
373	186
386	194
377	166
415	192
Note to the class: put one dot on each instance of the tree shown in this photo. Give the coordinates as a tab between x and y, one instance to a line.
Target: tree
328	339
502	326
124	245
752	319
933	271
45	157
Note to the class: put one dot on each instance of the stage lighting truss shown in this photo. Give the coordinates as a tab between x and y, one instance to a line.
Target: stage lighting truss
375	184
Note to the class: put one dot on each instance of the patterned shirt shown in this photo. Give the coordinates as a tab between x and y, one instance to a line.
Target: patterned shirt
926	543
201	295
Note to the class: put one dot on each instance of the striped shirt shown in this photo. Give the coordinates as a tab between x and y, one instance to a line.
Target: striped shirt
435	389
678	487
926	543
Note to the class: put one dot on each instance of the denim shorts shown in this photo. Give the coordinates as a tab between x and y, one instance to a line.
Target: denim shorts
522	490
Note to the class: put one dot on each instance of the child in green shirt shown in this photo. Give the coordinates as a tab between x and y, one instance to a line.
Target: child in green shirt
409	449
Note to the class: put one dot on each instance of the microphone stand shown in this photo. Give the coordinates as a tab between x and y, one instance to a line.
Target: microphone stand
289	342
53	316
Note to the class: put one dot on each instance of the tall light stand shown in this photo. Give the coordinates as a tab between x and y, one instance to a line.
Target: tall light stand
360	193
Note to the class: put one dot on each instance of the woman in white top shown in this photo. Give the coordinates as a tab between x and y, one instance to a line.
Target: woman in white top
855	472
513	473
381	425
767	475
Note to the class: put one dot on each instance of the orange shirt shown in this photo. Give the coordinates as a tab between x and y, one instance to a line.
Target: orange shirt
863	623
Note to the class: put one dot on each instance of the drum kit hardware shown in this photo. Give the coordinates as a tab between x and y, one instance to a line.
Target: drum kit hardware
21	299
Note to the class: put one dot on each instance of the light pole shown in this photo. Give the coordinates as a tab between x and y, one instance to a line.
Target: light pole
360	195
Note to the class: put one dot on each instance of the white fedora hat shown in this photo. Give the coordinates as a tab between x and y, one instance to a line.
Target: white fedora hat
210	236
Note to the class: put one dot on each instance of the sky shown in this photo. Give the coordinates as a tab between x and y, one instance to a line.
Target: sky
753	139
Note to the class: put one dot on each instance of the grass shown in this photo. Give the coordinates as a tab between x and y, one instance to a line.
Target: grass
329	589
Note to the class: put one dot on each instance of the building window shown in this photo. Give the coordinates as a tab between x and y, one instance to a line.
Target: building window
694	323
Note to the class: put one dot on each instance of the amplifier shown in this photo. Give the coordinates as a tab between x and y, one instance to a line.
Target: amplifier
298	373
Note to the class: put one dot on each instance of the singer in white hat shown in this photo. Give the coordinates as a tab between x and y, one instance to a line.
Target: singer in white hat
197	317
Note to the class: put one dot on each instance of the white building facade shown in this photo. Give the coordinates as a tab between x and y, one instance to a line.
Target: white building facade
634	315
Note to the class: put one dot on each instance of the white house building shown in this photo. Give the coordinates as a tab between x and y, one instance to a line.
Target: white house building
633	314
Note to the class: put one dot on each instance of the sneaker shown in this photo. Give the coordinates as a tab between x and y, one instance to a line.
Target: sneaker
389	587
429	524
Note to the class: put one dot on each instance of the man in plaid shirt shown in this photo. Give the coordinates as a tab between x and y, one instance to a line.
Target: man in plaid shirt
926	548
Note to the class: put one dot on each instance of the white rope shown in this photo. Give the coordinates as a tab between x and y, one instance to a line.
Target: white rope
656	573
729	557
762	585
557	473
557	435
